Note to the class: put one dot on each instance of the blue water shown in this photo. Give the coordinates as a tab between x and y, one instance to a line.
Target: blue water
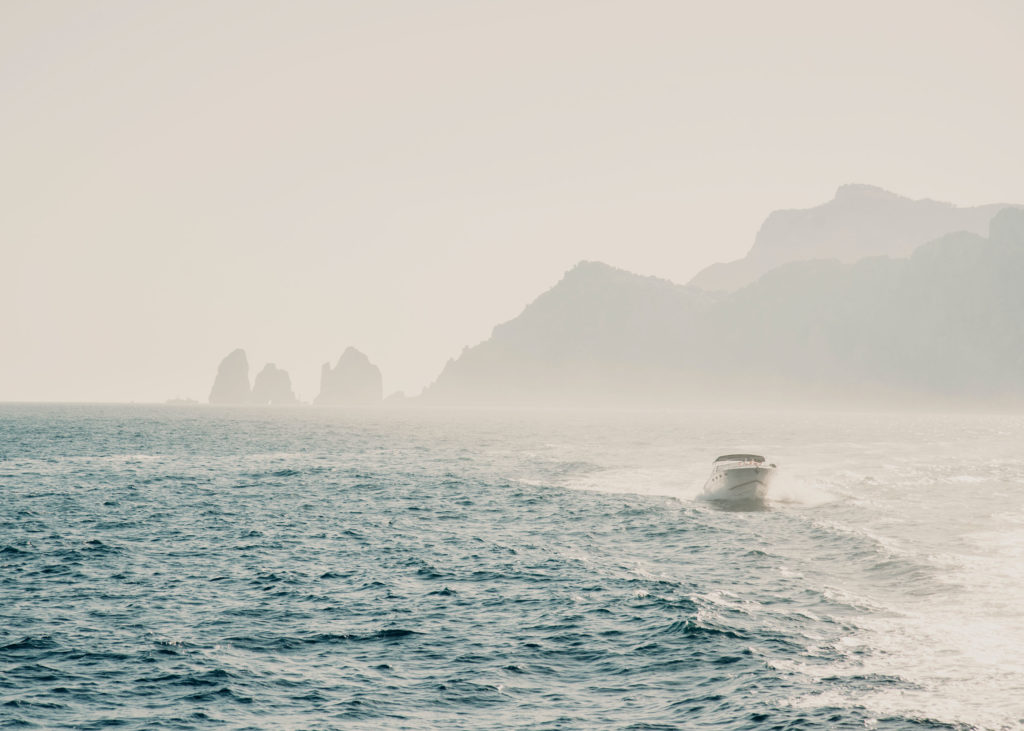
195	567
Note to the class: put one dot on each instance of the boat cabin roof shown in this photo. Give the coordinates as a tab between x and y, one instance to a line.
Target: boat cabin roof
740	458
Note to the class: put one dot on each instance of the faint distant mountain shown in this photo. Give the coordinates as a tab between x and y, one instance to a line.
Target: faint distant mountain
861	221
231	385
354	381
589	337
273	386
946	323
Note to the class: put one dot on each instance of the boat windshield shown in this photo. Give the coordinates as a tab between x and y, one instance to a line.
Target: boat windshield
740	458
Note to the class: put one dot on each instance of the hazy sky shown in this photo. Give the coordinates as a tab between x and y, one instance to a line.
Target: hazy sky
183	178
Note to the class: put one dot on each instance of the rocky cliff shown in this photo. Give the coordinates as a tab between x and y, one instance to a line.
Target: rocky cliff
945	325
354	381
231	386
861	221
273	386
590	337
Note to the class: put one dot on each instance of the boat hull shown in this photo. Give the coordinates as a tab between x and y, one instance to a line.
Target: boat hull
739	484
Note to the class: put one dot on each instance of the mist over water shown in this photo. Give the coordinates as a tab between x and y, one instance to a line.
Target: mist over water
295	568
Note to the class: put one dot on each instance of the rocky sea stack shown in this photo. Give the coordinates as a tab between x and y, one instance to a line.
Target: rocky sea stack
354	381
273	386
232	383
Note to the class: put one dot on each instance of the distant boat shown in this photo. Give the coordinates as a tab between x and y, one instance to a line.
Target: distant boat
739	478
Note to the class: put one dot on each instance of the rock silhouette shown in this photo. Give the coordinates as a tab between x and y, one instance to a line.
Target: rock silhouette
861	221
273	386
231	386
354	381
944	326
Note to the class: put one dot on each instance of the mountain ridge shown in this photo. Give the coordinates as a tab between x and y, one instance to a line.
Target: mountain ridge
942	324
861	220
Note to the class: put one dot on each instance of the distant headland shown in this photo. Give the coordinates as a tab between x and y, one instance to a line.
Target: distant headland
870	298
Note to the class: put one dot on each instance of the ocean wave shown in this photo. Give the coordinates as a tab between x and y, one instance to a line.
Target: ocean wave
447	574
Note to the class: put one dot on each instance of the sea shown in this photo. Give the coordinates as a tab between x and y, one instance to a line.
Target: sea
196	567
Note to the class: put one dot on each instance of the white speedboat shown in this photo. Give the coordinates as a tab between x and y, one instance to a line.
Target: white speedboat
739	478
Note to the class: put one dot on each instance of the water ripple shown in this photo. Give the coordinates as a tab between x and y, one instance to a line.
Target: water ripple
182	569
